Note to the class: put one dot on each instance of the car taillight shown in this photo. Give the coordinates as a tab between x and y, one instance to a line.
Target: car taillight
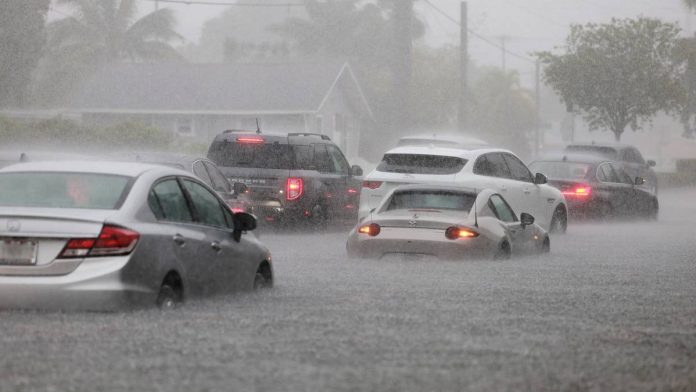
372	229
372	184
294	187
454	233
112	241
579	191
250	140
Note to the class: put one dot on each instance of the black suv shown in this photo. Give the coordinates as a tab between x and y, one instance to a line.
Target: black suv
290	177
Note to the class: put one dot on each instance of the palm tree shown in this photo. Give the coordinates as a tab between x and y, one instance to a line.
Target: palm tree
101	32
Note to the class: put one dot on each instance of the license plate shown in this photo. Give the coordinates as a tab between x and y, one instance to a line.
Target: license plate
18	251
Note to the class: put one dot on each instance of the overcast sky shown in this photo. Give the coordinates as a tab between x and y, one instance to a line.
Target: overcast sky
527	25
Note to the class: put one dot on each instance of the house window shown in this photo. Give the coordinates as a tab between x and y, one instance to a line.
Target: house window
184	126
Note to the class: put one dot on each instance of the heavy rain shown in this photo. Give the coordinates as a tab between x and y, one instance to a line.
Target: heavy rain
341	195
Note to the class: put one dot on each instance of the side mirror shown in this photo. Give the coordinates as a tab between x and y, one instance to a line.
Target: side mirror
539	179
243	221
356	170
526	219
639	181
651	163
239	188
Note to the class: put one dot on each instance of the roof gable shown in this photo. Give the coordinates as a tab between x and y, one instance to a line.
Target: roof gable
172	87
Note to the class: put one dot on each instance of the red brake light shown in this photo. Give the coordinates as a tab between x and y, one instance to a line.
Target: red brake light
372	184
454	233
294	187
112	240
579	191
251	139
372	229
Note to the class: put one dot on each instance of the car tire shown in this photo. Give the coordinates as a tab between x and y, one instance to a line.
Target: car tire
654	210
504	252
559	221
545	245
168	298
318	216
263	279
601	210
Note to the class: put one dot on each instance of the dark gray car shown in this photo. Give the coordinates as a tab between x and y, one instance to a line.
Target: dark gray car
103	235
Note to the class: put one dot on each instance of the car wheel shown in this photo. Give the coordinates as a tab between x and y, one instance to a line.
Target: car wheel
167	298
654	210
263	279
545	245
504	252
559	221
318	215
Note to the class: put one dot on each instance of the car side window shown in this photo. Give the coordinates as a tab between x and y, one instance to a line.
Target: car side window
518	170
608	174
483	167
208	208
201	173
635	156
492	165
322	160
219	181
340	163
501	209
167	202
622	175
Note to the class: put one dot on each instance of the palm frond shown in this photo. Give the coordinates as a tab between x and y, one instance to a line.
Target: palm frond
157	25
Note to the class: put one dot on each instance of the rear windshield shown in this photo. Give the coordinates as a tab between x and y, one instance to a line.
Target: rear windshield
439	200
603	151
63	190
252	155
561	170
420	164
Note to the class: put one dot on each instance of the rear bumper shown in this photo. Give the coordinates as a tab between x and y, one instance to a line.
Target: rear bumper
364	246
95	285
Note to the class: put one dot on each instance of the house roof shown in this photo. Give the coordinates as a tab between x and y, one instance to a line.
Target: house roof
299	87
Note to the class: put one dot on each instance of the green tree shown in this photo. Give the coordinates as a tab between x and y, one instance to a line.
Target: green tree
101	32
502	110
618	74
22	38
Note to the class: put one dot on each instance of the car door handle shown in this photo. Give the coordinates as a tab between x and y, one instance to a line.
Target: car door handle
216	246
179	239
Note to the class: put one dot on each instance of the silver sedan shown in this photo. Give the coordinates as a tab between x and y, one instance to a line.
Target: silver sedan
446	222
107	235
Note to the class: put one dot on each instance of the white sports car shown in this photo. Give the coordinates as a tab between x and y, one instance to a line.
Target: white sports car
446	222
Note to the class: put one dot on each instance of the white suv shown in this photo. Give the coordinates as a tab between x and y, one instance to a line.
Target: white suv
492	168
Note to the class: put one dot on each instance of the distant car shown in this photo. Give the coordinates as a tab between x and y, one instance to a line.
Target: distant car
598	188
107	235
234	194
627	156
493	168
443	140
292	177
447	222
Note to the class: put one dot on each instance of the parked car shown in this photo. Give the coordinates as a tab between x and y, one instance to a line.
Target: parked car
447	222
598	188
293	177
443	140
625	155
235	195
106	235
492	168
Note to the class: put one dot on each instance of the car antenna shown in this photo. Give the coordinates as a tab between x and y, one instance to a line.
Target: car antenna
258	128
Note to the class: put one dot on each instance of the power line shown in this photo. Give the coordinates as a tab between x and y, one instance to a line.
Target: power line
477	35
226	4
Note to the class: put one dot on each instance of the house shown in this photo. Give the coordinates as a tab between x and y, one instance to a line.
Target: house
198	101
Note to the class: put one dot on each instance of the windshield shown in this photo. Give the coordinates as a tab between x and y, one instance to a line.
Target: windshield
437	200
421	164
63	190
561	170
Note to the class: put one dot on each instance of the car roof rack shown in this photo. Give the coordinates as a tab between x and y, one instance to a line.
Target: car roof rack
322	136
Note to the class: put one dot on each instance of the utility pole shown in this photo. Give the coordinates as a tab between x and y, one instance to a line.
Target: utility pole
537	98
503	52
402	67
463	68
